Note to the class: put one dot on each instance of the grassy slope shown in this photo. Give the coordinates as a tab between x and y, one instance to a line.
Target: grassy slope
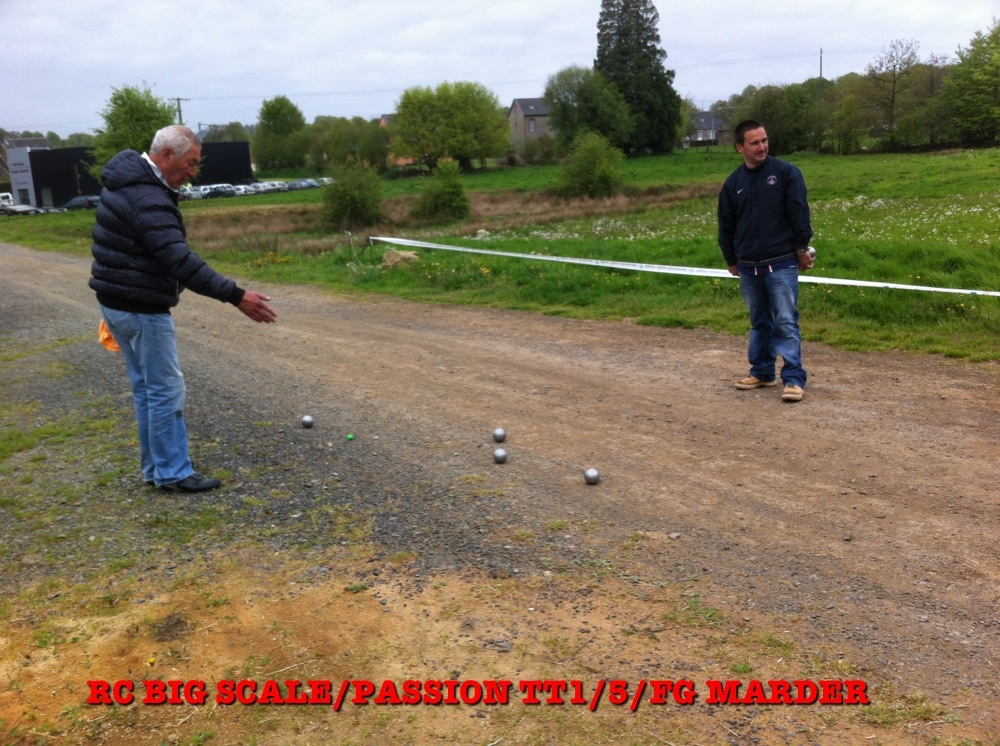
927	219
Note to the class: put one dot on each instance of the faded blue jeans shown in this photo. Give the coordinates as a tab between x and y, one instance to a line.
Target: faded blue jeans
149	344
772	298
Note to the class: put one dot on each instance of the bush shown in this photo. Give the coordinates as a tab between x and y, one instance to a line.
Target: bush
443	199
591	168
540	152
354	199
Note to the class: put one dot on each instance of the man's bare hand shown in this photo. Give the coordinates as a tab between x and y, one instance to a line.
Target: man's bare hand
254	305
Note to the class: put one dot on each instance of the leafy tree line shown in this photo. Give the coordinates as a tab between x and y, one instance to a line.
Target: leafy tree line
899	103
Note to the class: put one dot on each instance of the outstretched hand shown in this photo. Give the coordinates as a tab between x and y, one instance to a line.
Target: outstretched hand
254	305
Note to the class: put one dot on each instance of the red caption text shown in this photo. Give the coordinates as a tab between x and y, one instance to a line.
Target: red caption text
361	692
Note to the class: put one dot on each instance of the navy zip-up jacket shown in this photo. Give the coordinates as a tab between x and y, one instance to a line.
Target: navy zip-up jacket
763	214
141	257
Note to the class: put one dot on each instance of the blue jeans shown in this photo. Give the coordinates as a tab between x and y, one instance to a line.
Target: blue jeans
772	298
149	344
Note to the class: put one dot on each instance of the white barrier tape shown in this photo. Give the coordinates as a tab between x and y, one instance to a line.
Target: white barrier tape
674	270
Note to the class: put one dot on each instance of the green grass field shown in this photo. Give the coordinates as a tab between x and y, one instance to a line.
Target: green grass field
926	219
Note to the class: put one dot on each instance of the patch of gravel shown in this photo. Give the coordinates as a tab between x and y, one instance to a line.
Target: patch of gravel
287	489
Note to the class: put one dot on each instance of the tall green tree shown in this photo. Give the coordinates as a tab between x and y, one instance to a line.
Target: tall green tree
771	105
460	120
630	56
849	124
927	118
338	140
974	89
891	77
132	117
281	139
79	140
583	100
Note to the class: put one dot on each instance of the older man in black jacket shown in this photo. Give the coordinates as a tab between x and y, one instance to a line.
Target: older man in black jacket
141	263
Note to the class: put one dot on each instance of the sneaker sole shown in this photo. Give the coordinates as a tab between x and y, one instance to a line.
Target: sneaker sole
761	385
175	489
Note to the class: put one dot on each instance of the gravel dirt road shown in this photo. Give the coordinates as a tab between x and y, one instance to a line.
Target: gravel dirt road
863	518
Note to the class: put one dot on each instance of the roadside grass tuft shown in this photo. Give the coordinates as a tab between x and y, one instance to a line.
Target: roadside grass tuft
893	708
691	611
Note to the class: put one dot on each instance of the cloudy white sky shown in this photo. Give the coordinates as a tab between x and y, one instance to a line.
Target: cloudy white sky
60	60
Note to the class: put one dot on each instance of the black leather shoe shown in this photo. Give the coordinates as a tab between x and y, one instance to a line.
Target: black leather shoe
193	483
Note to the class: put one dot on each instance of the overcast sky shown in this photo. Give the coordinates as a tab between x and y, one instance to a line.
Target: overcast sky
61	59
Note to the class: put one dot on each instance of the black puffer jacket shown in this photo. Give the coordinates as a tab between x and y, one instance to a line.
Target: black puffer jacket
141	257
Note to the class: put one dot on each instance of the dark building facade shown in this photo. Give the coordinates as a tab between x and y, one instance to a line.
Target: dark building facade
61	174
225	163
54	177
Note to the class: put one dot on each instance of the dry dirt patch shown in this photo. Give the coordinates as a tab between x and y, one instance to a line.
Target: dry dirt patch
445	628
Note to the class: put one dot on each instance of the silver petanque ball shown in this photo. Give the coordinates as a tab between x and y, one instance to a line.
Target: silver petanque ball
591	476
812	252
308	421
499	435
500	455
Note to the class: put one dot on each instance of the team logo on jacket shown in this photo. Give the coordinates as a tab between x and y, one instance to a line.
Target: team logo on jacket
772	180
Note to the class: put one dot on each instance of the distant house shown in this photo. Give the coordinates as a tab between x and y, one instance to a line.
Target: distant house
528	119
707	129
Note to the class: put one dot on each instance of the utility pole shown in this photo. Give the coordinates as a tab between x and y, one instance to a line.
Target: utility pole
821	63
180	114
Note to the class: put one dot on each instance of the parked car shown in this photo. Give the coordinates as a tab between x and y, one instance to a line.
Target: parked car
83	202
20	210
243	189
219	190
304	184
189	192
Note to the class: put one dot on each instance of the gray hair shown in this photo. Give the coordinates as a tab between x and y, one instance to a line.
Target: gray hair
175	137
